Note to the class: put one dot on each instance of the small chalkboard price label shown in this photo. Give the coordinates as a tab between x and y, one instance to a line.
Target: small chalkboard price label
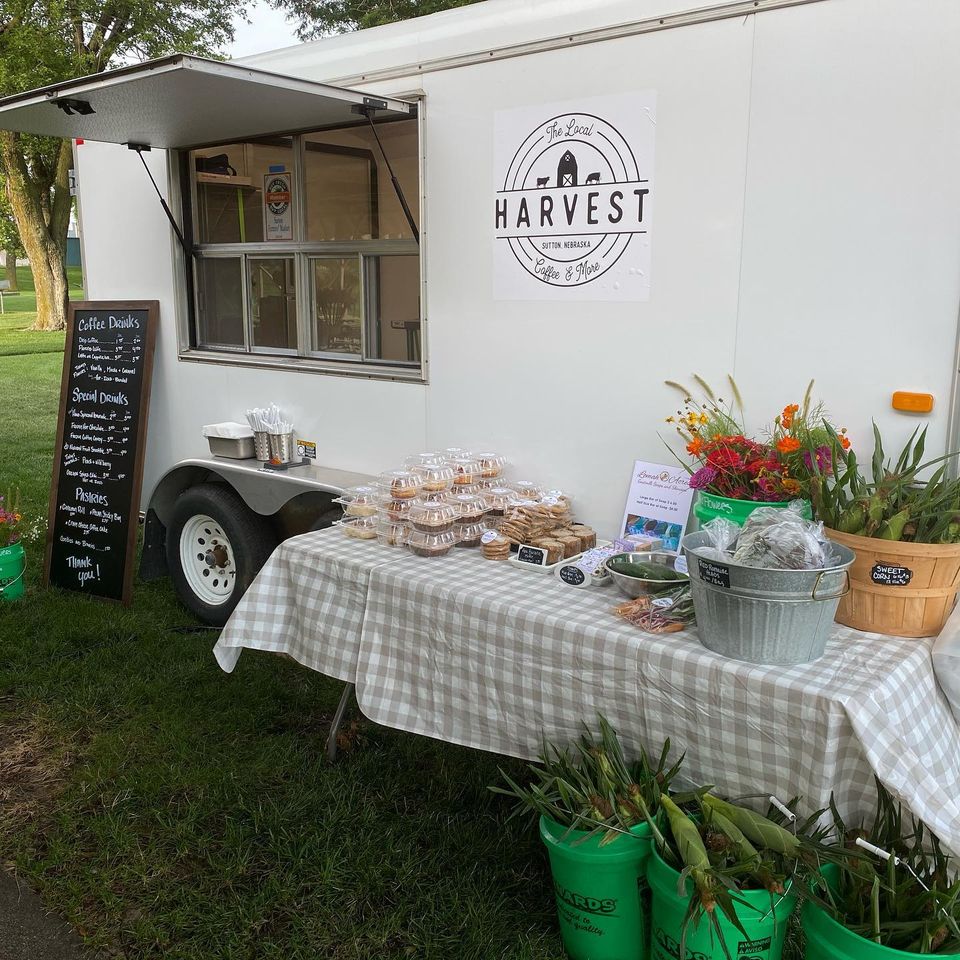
716	574
101	440
572	575
890	575
535	556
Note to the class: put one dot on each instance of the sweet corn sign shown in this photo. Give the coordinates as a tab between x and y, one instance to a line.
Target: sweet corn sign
573	199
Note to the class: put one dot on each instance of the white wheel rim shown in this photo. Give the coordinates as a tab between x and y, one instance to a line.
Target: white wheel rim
206	558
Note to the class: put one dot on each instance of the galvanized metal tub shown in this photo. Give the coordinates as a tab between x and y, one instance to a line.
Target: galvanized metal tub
762	615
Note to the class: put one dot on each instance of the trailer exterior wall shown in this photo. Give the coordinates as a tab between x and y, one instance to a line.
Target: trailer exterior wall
805	225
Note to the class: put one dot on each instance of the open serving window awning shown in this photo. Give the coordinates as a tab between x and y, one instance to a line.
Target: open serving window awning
182	101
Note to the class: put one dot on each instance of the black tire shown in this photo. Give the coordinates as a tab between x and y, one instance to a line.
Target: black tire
250	535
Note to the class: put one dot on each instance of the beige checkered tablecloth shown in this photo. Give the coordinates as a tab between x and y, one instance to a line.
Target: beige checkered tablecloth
483	654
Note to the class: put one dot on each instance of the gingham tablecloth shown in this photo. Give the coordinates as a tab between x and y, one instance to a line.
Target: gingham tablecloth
483	654
308	601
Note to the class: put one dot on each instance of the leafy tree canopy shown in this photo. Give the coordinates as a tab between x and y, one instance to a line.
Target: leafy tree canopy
317	18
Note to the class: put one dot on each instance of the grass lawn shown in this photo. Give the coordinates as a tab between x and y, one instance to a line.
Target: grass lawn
169	810
20	310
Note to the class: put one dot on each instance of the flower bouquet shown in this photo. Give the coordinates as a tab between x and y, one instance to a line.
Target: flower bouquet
735	473
12	563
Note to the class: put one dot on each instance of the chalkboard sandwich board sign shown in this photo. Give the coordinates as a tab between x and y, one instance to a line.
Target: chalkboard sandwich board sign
101	438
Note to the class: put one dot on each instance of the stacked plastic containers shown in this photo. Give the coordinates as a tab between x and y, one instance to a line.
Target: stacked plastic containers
442	499
360	506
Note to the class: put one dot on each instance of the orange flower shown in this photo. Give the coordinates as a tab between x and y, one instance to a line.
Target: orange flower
788	444
789	412
695	447
791	486
844	442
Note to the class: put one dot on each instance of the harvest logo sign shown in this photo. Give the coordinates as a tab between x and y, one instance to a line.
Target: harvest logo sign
573	200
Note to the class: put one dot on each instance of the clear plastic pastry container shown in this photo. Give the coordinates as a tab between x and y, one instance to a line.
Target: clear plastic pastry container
454	453
430	544
527	489
470	534
391	533
399	484
498	500
470	507
466	470
491	464
420	459
394	510
434	477
433	516
359	501
360	528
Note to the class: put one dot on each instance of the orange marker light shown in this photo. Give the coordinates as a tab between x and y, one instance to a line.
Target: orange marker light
912	402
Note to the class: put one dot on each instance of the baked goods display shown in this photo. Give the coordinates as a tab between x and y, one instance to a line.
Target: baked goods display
395	510
453	497
400	484
494	546
470	534
437	477
391	534
526	490
360	528
433	516
466	471
470	507
359	501
430	544
491	465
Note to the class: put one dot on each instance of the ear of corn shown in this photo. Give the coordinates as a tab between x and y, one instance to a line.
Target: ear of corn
763	832
745	849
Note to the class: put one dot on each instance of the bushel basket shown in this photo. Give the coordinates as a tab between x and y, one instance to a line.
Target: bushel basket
762	615
899	589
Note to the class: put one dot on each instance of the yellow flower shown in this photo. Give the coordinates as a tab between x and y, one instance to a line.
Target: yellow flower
670	419
703	418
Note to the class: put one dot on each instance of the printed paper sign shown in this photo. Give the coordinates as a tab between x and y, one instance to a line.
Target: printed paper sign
277	206
573	199
658	503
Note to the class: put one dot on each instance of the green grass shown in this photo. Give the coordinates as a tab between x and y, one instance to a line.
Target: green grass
20	311
196	817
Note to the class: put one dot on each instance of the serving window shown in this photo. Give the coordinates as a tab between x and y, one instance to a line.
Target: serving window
302	248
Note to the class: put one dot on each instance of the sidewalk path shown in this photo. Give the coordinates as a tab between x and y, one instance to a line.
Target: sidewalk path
28	931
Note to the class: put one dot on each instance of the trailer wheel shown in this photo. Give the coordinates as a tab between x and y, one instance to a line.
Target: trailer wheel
216	545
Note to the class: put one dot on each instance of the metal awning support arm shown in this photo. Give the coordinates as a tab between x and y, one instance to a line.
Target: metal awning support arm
367	111
140	148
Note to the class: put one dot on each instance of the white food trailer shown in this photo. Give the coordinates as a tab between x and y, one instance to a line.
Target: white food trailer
601	195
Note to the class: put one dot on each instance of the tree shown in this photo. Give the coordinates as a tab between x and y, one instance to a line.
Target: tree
46	41
320	17
9	238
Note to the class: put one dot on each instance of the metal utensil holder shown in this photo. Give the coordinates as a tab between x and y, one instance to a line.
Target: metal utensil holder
261	445
281	447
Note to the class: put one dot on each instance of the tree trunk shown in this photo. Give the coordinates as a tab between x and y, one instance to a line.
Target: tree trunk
12	270
43	215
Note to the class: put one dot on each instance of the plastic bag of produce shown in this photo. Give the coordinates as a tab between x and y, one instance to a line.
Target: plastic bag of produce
780	539
723	535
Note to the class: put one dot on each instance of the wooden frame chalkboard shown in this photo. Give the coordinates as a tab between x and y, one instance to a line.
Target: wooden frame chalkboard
101	438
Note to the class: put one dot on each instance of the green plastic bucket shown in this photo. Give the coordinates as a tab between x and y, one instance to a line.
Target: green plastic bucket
12	565
829	940
601	892
764	920
709	507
